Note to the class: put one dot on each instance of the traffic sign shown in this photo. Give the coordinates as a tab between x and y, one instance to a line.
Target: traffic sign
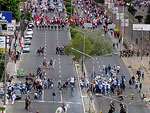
5	17
141	27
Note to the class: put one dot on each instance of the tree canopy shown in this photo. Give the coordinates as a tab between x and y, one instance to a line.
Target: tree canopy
11	5
139	18
132	10
93	46
147	19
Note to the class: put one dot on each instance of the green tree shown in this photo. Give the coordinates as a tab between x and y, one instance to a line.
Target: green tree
69	10
147	19
92	46
132	10
68	4
148	11
11	5
139	18
99	1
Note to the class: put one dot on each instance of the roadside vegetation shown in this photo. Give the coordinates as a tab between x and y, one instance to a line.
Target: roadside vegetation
93	45
2	67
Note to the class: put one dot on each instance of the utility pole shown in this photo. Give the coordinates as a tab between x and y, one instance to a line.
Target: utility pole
121	42
5	74
142	45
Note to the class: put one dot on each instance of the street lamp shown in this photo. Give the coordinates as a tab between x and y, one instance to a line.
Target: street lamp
87	56
127	105
93	68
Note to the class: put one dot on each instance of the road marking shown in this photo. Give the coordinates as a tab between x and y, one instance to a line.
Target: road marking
59	102
97	62
59	67
42	95
96	58
59	58
61	96
59	62
59	71
59	76
99	66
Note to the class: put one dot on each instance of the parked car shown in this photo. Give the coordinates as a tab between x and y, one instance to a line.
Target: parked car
31	24
29	33
26	49
28	37
27	42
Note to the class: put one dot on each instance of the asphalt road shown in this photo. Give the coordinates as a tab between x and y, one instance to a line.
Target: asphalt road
62	71
101	102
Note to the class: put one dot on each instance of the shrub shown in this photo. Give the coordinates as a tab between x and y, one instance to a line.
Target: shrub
67	5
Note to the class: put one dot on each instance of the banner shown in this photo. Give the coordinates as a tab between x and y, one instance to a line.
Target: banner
2	42
5	17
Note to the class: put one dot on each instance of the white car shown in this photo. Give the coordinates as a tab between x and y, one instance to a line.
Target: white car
29	33
26	49
29	29
27	42
28	37
31	25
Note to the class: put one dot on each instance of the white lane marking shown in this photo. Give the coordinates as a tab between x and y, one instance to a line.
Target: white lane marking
15	69
59	62
99	66
59	71
59	76
59	67
59	58
51	102
61	96
96	58
97	62
42	95
58	55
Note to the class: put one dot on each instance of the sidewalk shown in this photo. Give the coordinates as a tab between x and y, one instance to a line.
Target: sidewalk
88	105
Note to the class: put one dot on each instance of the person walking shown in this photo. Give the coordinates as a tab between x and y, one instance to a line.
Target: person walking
53	94
13	98
35	96
72	89
140	87
130	83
